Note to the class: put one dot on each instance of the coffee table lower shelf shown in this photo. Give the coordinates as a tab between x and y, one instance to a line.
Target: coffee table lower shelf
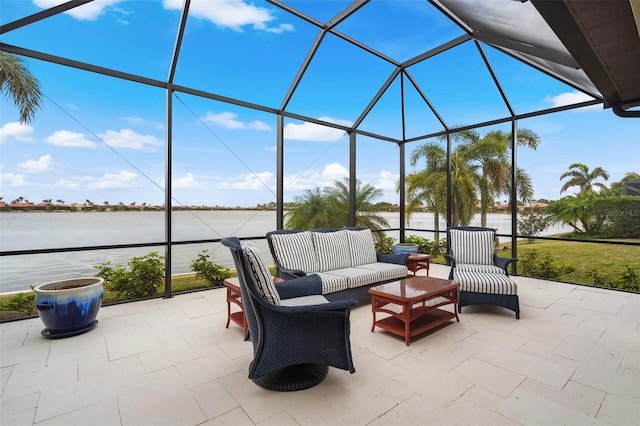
426	321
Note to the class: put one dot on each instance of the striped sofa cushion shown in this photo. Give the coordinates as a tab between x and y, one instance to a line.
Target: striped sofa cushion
361	247
357	277
389	271
259	273
484	283
484	269
472	246
295	251
332	283
332	250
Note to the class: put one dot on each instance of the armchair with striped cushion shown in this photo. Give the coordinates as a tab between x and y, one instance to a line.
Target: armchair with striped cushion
482	274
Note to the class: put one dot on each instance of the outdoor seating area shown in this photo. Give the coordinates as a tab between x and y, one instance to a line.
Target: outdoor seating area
572	358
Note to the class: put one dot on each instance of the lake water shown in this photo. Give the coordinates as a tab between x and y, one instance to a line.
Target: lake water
25	231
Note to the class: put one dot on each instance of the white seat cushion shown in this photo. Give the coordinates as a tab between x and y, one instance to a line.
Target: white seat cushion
332	283
259	273
485	283
357	277
314	299
389	271
484	269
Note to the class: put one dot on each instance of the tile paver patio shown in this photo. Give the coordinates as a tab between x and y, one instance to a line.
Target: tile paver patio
573	358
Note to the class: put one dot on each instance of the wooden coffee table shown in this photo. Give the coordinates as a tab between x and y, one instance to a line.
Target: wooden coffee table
412	305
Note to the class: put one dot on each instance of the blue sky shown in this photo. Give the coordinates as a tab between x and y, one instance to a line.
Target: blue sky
103	139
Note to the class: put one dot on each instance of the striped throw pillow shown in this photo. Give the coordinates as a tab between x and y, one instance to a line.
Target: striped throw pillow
295	251
362	247
259	273
472	246
332	250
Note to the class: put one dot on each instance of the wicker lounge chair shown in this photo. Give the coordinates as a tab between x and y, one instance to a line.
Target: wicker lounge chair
296	333
482	275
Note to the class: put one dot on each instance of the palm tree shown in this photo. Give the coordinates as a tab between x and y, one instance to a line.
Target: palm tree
20	85
428	186
491	153
366	209
617	188
329	208
576	211
580	176
312	210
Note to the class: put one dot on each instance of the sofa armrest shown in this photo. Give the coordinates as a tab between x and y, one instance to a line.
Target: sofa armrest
398	259
503	262
288	274
298	287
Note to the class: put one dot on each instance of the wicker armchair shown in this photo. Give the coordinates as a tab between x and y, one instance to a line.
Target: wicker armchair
296	333
482	274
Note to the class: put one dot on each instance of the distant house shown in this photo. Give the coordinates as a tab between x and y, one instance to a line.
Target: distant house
631	188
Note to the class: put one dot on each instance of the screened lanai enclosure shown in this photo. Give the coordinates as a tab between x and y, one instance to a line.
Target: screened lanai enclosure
174	123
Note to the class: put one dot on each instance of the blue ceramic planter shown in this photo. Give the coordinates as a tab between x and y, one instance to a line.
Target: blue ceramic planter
69	307
405	248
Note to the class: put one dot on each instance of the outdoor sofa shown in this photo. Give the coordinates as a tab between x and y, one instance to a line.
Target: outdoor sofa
345	259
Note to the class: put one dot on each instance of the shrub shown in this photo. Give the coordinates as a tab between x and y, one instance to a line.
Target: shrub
427	246
384	245
628	279
618	216
531	223
144	278
531	265
23	302
213	273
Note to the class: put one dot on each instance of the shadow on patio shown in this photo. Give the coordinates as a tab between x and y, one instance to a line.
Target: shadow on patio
572	358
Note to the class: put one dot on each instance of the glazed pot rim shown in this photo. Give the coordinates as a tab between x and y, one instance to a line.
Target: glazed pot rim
77	283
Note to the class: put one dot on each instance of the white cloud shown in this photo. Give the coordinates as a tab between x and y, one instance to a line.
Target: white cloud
66	184
13	180
42	164
311	179
127	138
257	181
15	130
315	132
70	139
233	14
139	121
229	120
387	181
123	179
187	182
87	12
570	98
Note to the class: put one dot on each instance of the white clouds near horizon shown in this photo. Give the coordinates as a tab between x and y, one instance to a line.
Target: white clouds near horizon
315	132
123	179
229	120
12	180
41	165
68	139
232	14
127	138
17	131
